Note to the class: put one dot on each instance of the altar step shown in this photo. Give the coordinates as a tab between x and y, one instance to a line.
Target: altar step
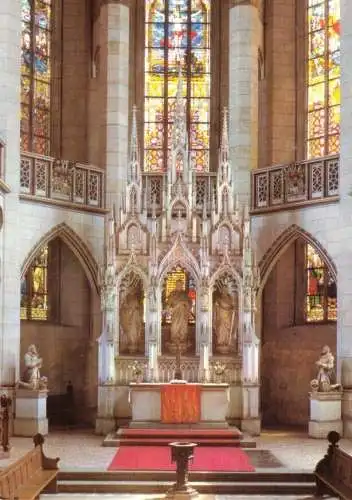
126	436
113	441
252	483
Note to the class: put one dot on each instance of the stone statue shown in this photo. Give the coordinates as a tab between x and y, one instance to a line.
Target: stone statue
131	317
31	378
225	320
179	305
326	378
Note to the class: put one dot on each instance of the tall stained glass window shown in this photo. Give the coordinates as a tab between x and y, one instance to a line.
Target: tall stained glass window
323	125
35	75
177	36
321	305
34	288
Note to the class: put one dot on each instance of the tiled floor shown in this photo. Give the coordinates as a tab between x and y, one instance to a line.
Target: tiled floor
83	449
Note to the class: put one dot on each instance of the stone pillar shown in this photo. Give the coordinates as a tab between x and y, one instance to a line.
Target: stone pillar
10	27
343	260
245	37
115	33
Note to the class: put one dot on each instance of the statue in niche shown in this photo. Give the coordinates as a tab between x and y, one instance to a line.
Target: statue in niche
326	378
131	318
31	378
179	304
225	320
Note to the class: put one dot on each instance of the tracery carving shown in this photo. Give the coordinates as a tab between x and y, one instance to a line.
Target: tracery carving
184	274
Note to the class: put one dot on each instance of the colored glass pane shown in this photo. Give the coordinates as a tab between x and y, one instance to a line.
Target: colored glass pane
316	123
36	71
177	37
323	65
34	288
334	92
321	289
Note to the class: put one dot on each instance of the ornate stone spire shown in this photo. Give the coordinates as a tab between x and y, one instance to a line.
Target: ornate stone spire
134	167
179	132
224	152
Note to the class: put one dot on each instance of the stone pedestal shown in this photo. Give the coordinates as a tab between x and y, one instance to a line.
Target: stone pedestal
30	413
250	422
347	413
325	414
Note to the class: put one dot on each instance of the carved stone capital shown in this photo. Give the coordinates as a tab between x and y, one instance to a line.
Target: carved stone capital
235	3
122	2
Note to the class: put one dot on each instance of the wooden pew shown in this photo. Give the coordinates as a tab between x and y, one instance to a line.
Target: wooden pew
30	475
333	473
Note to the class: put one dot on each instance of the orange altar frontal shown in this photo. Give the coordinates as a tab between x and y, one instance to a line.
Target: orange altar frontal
179	403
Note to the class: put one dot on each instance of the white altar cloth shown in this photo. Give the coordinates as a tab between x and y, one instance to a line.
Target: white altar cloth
145	401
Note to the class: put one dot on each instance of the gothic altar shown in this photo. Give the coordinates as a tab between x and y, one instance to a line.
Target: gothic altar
180	278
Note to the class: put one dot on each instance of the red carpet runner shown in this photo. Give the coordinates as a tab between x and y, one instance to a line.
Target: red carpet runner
210	459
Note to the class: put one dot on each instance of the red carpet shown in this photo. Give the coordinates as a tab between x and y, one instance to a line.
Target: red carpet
210	459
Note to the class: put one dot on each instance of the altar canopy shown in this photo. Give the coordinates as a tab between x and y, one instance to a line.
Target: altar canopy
179	285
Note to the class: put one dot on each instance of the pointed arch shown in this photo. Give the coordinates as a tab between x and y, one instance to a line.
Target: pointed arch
277	249
76	245
179	254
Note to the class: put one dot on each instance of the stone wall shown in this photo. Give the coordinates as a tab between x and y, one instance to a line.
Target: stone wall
279	85
75	73
289	349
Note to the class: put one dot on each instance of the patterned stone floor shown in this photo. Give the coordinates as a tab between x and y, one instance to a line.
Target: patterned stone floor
82	449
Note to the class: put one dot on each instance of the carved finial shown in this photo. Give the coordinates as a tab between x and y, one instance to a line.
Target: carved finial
154	207
134	150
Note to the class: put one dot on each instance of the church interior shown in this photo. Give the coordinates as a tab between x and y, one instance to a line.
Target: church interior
175	200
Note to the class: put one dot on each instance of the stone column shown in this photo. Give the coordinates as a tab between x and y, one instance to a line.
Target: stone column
343	260
10	265
244	40
114	56
115	34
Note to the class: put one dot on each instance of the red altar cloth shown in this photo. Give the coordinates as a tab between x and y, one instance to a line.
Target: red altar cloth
180	403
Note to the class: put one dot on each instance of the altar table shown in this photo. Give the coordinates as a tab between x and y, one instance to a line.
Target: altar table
179	403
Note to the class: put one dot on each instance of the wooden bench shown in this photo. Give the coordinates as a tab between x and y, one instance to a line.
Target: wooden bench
30	475
333	474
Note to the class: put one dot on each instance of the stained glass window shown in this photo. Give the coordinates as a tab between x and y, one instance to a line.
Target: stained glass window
36	75
34	288
321	304
323	124
177	36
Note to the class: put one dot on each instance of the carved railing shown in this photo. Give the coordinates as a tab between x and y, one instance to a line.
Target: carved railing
154	186
303	183
61	182
189	367
5	403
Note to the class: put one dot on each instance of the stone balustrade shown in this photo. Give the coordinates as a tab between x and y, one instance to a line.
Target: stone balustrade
297	184
62	182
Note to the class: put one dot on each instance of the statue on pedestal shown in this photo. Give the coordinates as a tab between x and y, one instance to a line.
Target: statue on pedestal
131	317
179	305
31	378
225	320
326	378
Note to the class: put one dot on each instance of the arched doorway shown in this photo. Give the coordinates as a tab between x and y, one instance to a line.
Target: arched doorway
298	318
60	315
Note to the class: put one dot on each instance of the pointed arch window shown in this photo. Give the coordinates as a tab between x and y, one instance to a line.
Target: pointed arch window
36	72
177	33
323	79
321	302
